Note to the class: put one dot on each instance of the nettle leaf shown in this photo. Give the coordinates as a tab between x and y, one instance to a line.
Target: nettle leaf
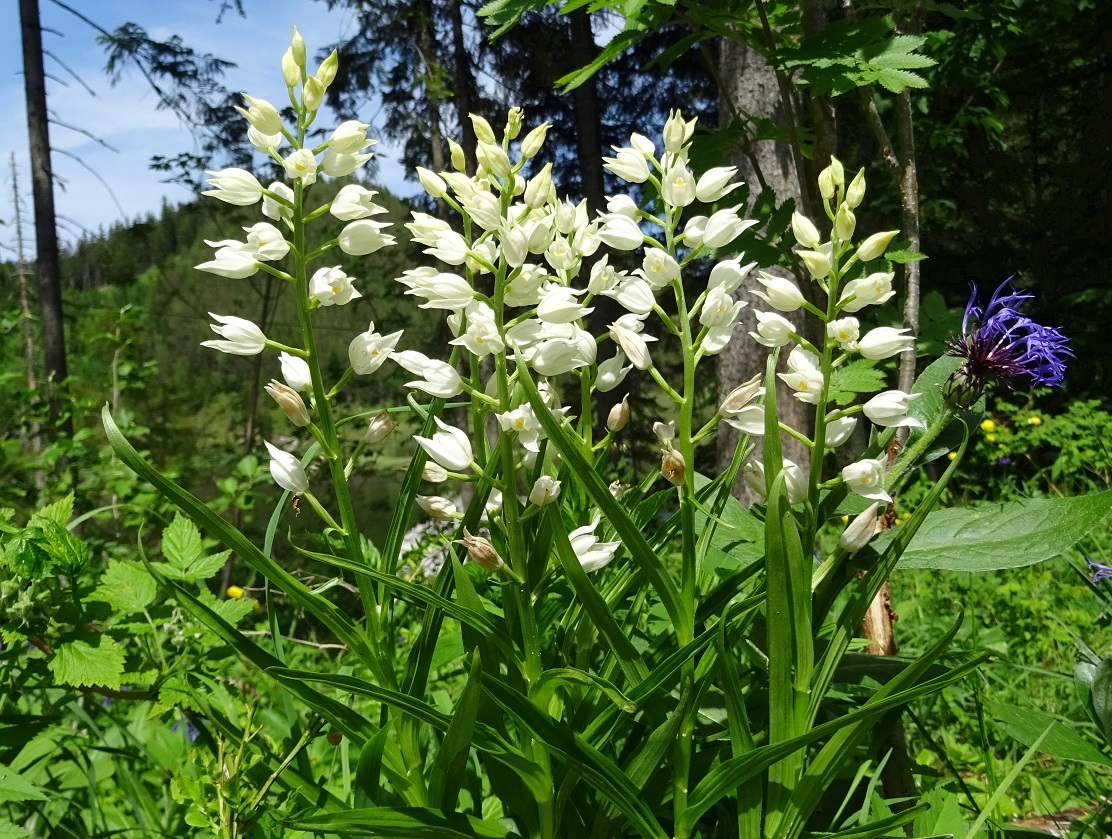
126	587
992	536
186	559
67	551
59	512
11	831
80	664
859	376
14	787
25	557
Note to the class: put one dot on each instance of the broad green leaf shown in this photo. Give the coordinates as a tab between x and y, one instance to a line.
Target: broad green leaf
80	664
126	587
1063	741
1004	535
1100	698
860	376
402	822
449	768
14	787
185	553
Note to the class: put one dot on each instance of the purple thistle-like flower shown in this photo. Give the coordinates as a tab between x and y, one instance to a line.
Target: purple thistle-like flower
1100	572
999	344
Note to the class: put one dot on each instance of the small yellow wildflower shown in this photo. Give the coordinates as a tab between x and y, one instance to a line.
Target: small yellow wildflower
951	455
991	438
1035	420
988	425
235	592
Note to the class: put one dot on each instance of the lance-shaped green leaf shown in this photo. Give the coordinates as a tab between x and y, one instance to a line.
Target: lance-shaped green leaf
1005	535
632	537
724	778
447	773
591	764
1061	739
400	823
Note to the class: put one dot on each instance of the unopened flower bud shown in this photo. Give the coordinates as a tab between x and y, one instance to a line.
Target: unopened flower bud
290	71
459	159
297	48
874	246
741	396
818	263
513	122
805	231
327	70
855	192
534	140
673	467
845	222
619	416
483	132
860	530
434	473
539	191
432	183
493	159
437	507
234	593
312	94
826	184
837	174
480	551
290	401
381	427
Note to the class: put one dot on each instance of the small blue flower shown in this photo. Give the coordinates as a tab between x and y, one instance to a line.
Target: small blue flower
1100	572
999	344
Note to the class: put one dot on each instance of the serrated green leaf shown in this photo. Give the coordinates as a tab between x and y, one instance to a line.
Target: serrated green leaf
126	587
59	512
186	559
902	257
860	376
897	81
14	787
11	831
80	664
67	551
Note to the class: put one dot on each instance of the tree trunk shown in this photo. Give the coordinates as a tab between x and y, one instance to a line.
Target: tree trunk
46	232
748	86
464	83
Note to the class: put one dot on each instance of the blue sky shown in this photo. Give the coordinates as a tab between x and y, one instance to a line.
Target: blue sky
125	116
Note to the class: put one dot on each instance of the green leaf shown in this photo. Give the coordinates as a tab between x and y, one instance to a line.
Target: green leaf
11	831
1003	535
929	405
1062	741
1100	698
59	512
902	257
185	553
126	587
449	769
69	553
14	787
86	665
860	376
401	822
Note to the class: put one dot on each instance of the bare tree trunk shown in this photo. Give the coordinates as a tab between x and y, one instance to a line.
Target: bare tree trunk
588	123
748	86
464	82
46	232
35	441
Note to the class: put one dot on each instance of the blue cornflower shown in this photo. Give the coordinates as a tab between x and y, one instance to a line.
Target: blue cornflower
1100	572
999	344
